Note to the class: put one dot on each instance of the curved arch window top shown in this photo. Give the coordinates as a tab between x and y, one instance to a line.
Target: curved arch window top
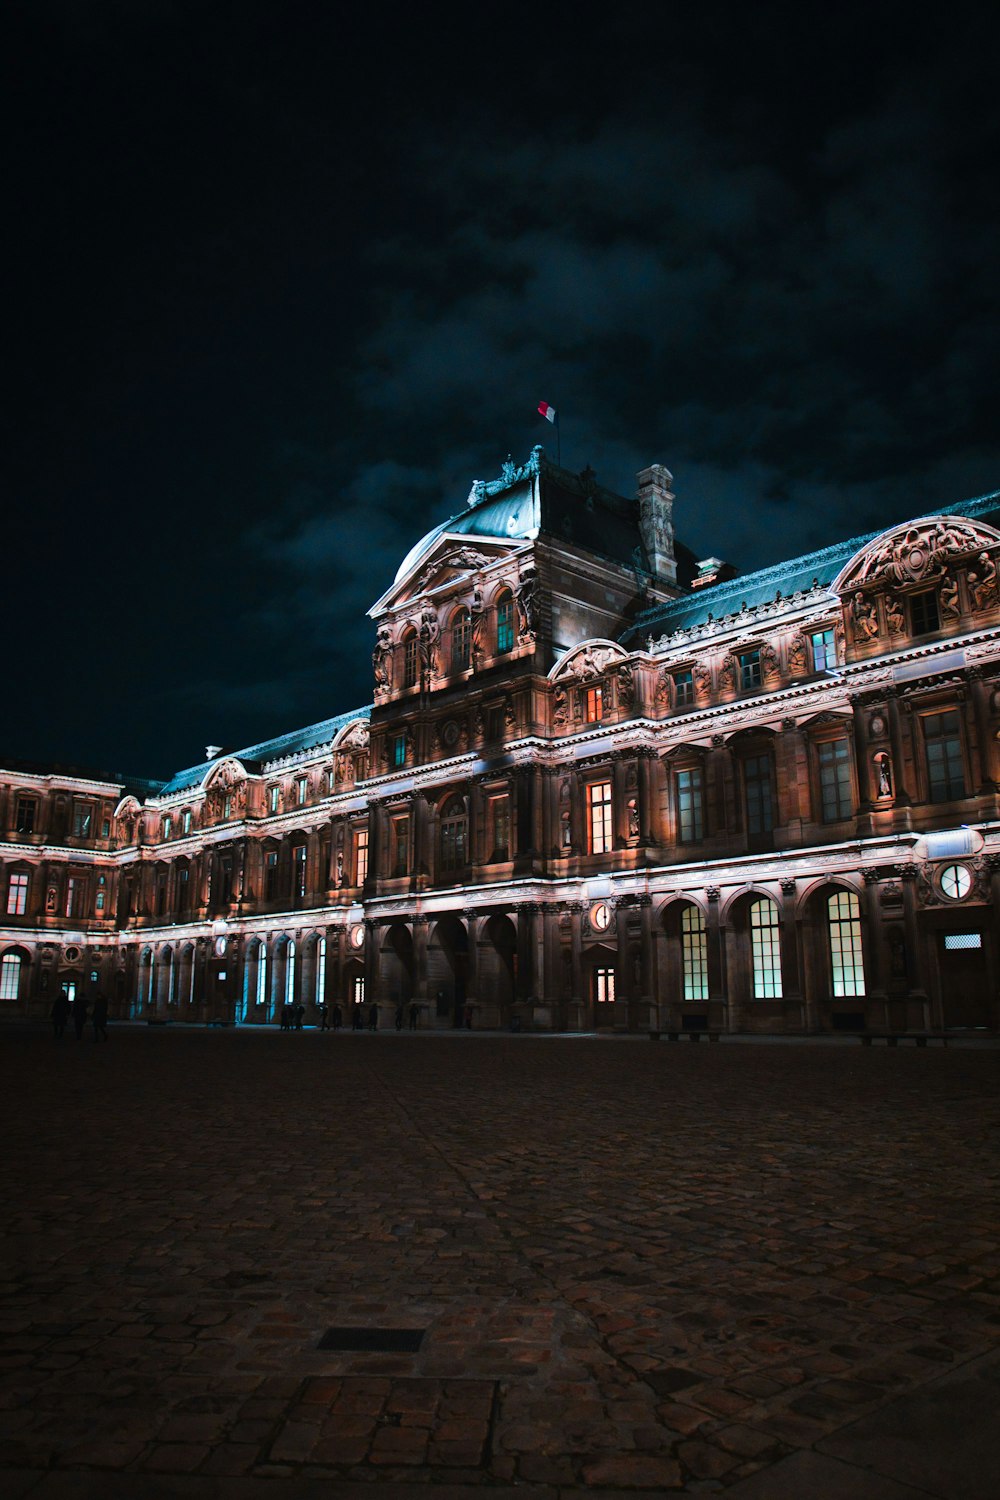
505	623
843	916
10	976
694	954
454	833
410	660
765	944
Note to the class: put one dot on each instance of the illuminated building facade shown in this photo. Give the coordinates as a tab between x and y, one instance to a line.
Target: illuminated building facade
600	784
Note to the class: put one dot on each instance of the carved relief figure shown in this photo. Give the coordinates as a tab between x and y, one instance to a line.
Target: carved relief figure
894	616
702	680
339	876
560	710
983	584
865	617
663	690
382	657
477	624
769	660
727	675
948	600
524	599
797	655
626	686
430	634
509	716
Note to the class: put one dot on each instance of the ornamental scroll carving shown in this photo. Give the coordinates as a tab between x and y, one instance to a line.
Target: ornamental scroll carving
461	559
917	554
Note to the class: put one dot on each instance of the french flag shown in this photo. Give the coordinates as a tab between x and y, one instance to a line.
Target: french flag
546	411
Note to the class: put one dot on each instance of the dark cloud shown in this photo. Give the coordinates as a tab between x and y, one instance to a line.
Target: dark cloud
289	282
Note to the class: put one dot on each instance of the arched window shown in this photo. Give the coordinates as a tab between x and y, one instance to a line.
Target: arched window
505	623
290	973
694	954
765	944
260	987
843	916
454	829
410	660
320	996
10	976
147	964
461	641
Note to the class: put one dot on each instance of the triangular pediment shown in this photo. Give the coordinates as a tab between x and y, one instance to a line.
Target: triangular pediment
454	558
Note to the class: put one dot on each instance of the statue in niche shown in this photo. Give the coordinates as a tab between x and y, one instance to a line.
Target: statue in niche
702	680
626	686
477	624
429	635
564	825
524	599
382	657
339	876
894	616
560	709
883	768
633	819
769	660
865	617
983	586
479	724
948	600
797	655
509	716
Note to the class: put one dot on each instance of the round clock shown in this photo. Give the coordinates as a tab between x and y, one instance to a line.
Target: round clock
357	937
600	916
956	882
220	947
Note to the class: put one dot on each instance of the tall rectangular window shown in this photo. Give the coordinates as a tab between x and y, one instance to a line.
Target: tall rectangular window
401	843
824	648
604	988
689	806
273	798
835	780
183	888
83	817
505	625
17	895
186	820
943	748
167	828
599	817
72	887
500	819
320	995
594	704
683	689
844	923
399	750
361	856
765	944
301	788
461	642
270	874
757	786
924	616
410	661
750	673
24	820
454	830
299	856
694	954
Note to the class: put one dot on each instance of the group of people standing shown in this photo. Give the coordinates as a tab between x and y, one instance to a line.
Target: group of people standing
63	1008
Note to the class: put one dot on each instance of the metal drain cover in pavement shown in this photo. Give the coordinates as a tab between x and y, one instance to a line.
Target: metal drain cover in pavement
373	1340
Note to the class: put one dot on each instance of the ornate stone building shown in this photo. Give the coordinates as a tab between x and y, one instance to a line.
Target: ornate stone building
600	784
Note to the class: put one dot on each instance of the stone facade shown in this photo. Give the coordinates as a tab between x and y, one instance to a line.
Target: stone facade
597	786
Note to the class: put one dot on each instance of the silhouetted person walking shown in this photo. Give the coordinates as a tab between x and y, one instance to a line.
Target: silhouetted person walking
337	1017
100	1018
79	1016
60	1014
414	1013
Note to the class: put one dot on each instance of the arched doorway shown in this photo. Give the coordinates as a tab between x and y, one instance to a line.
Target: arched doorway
396	966
497	982
448	969
684	994
600	978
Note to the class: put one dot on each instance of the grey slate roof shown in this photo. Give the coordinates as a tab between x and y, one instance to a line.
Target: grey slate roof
751	589
255	756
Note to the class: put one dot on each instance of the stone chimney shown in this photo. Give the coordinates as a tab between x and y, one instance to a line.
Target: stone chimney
656	521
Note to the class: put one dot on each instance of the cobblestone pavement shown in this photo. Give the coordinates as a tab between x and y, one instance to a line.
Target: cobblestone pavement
636	1266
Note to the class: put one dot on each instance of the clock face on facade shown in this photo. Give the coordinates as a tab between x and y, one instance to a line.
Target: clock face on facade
956	882
357	936
220	947
600	916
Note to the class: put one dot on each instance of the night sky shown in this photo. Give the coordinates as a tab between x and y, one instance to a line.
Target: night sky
287	277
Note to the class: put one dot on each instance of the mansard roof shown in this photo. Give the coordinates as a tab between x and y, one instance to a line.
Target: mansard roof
539	496
255	757
813	569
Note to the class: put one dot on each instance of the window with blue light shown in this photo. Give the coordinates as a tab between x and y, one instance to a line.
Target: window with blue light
505	624
399	750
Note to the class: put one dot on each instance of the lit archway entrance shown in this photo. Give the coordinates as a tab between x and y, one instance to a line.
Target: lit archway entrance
447	970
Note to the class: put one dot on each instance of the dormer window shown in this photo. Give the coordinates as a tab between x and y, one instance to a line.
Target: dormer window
683	689
273	799
594	704
186	820
750	673
301	787
167	827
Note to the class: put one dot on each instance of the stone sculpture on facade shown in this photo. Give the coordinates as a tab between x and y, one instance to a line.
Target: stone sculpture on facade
865	617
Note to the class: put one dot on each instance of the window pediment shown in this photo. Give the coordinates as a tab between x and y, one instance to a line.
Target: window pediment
915	554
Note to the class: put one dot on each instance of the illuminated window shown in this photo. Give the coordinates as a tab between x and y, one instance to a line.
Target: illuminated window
599	817
505	624
24	820
186	820
270	874
290	973
500	820
924	616
167	828
604	987
358	990
689	806
766	948
594	705
299	860
410	661
183	888
273	798
943	748
260	989
758	791
750	674
301	787
824	647
99	902
454	825
83	817
683	689
694	954
72	892
461	641
399	750
17	895
835	780
10	976
844	925
361	856
227	808
320	994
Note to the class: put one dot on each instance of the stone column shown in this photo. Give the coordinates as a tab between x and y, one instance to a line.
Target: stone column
577	1013
723	1012
469	916
793	999
649	832
623	970
421	926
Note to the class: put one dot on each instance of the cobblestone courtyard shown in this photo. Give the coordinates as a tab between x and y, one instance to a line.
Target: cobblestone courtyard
661	1267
